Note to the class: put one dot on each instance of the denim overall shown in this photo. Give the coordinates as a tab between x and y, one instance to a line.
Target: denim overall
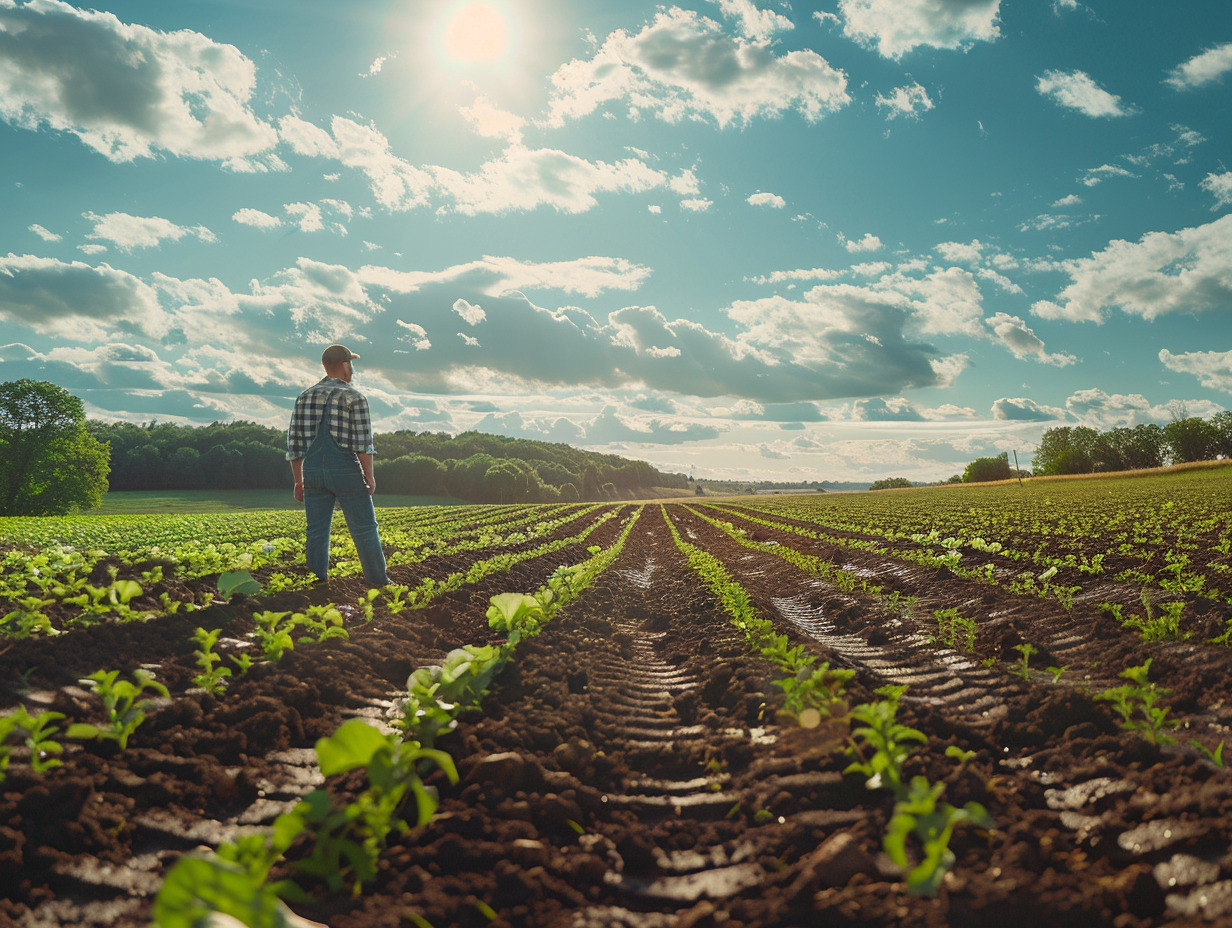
330	474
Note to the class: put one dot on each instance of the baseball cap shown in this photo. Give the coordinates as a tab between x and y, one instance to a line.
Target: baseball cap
336	354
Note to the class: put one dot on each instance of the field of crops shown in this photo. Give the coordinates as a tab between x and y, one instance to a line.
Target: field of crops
953	706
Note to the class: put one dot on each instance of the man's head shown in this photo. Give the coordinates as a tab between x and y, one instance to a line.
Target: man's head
336	360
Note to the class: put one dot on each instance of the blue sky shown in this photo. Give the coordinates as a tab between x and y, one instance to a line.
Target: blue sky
757	239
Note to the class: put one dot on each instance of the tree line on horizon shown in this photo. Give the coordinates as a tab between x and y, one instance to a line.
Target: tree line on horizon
474	466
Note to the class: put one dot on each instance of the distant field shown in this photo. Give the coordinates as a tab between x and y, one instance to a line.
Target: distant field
127	502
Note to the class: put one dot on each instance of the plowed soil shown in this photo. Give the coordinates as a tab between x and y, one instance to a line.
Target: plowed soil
629	768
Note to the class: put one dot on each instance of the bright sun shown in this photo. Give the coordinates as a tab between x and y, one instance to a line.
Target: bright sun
476	33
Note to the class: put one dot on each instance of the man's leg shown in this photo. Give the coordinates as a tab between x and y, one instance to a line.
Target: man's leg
319	511
361	520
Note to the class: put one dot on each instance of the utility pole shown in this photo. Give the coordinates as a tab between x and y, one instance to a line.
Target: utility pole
1016	470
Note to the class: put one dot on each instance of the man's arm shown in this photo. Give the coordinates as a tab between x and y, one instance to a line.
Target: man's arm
365	463
297	468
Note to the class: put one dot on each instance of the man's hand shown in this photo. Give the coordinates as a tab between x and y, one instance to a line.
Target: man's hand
299	492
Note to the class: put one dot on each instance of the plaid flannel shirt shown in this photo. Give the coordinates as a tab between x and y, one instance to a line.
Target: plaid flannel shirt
349	420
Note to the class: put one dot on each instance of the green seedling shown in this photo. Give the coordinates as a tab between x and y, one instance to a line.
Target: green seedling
959	754
350	839
1026	649
211	679
242	661
891	741
273	633
817	688
1056	673
396	597
365	604
237	581
28	618
170	606
123	705
921	813
234	883
1214	756
1137	702
39	733
517	615
954	630
319	624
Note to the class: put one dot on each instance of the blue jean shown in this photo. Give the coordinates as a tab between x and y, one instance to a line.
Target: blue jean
331	474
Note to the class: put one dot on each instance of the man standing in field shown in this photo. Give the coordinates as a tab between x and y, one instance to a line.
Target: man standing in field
329	445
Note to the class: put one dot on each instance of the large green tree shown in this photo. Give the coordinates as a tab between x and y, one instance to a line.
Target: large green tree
982	470
49	463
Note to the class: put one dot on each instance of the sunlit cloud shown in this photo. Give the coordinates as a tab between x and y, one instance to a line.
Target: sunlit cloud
905	102
755	23
1022	409
685	66
255	218
1212	368
1220	187
175	92
1100	410
492	275
45	234
1203	68
896	27
1018	337
128	232
869	242
766	199
1163	272
1077	90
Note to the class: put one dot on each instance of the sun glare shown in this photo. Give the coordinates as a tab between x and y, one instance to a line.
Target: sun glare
476	33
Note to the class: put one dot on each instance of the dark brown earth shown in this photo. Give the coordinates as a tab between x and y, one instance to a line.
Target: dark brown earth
629	768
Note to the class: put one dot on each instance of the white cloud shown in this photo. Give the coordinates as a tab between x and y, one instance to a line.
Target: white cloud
255	218
525	179
92	249
969	253
1212	368
1104	411
377	64
1072	200
908	102
1163	272
76	301
45	234
1018	337
755	23
1220	187
895	27
684	66
1077	90
1022	409
1203	68
654	208
766	199
305	215
418	335
1096	175
494	276
471	314
127	232
815	273
696	205
869	242
128	91
492	122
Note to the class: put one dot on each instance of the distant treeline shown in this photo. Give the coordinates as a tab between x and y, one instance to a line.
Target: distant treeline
472	466
1082	450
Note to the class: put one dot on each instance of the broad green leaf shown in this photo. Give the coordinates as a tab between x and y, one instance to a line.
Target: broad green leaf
353	745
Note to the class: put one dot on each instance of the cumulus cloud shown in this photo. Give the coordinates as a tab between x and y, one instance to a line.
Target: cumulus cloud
969	253
1220	187
45	234
869	242
76	301
491	275
1212	368
1103	411
490	121
767	199
906	102
895	27
255	218
1094	176
1017	336
1021	409
755	23
684	66
879	409
128	91
1163	272
1077	90
127	232
1202	68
